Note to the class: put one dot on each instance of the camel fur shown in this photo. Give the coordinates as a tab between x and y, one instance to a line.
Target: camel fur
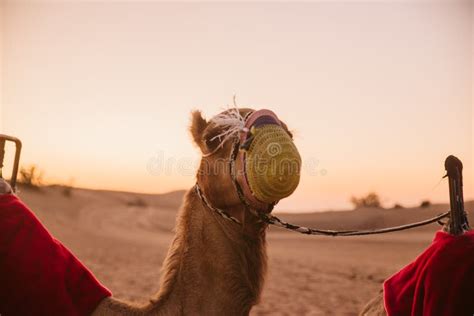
214	266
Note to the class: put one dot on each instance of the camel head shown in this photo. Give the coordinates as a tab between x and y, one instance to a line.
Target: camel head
249	161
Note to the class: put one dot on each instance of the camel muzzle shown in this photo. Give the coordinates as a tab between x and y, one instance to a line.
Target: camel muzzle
268	163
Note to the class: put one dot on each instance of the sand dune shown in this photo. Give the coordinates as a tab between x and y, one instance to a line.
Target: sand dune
123	238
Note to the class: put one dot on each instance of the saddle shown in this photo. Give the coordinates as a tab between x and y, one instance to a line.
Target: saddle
439	282
38	274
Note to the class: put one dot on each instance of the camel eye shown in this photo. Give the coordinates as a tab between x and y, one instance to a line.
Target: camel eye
211	140
212	144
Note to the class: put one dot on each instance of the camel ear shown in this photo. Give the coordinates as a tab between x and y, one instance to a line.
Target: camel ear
197	127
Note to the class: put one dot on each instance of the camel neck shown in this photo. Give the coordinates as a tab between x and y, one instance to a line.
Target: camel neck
212	267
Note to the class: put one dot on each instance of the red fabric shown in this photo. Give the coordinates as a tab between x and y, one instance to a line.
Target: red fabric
38	275
439	282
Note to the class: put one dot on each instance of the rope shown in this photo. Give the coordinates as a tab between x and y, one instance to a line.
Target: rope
222	213
273	220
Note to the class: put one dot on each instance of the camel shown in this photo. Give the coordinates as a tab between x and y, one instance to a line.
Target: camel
375	307
214	266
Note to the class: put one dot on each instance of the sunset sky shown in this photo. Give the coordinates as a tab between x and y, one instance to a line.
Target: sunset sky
378	93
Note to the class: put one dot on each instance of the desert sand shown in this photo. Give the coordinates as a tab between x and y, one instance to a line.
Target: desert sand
123	238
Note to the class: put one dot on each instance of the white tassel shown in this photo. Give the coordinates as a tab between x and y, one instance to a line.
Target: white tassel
231	121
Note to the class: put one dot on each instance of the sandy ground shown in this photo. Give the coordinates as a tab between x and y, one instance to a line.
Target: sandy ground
124	245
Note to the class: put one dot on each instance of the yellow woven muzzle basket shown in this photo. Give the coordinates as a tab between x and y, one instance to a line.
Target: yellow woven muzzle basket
272	164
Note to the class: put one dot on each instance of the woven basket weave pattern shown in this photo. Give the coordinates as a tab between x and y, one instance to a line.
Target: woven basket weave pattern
272	164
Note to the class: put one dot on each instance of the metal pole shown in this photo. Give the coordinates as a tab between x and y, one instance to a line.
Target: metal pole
16	162
2	155
458	223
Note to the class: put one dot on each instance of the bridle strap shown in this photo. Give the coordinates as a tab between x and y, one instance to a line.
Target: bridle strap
219	211
238	189
233	174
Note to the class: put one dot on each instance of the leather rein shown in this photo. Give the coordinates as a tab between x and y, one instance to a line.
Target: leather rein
273	220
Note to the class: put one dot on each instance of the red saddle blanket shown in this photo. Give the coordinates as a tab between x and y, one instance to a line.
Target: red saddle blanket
439	282
38	275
